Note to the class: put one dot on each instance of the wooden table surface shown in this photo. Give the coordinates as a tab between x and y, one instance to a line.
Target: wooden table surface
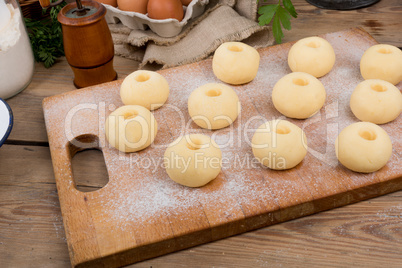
365	234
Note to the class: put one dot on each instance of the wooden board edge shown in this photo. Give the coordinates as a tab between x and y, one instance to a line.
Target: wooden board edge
245	225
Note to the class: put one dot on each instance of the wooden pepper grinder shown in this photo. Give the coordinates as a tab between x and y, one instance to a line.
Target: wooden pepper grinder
88	43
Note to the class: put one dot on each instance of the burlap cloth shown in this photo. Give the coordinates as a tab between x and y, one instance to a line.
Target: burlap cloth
222	21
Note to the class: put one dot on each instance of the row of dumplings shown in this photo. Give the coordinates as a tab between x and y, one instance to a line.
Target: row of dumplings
299	94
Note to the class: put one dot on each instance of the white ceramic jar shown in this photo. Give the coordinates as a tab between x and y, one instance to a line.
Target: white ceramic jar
16	57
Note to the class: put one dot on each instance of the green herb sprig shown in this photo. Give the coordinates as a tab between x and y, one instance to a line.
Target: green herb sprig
281	16
46	37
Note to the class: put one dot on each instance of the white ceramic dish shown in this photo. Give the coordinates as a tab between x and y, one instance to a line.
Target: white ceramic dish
6	121
164	28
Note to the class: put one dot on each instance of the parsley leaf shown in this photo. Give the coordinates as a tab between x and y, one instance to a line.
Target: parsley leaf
46	37
267	13
277	29
289	7
280	15
285	17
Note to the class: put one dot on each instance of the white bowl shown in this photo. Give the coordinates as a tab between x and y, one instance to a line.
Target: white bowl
164	28
6	121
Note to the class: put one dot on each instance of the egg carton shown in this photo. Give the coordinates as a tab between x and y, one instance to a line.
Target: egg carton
164	28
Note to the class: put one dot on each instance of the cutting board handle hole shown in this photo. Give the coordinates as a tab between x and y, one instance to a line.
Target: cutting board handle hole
80	159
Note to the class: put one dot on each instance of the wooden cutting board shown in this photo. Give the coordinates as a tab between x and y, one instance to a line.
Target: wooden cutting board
141	213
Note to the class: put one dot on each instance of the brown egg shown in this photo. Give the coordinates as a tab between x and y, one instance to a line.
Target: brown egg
112	3
165	9
186	2
139	6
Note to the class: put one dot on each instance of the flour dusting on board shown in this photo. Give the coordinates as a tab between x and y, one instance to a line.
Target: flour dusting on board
140	196
157	194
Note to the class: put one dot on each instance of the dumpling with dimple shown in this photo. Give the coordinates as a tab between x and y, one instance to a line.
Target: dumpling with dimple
200	160
363	147
213	106
146	88
298	95
376	101
130	128
382	62
279	144
235	63
313	55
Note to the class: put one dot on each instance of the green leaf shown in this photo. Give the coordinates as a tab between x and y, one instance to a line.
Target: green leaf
46	38
289	7
277	30
284	17
49	61
267	13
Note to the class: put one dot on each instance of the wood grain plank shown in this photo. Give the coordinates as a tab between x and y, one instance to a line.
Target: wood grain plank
355	235
381	20
30	218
